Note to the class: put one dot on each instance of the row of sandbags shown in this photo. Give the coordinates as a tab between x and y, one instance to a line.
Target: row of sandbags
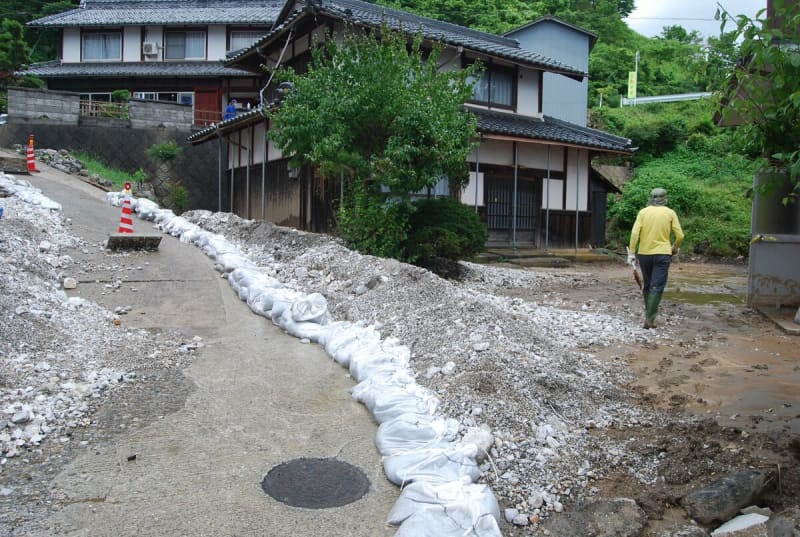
420	448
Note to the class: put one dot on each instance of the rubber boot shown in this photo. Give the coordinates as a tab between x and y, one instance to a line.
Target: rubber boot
653	300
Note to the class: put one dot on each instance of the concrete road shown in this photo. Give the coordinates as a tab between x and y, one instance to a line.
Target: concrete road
260	398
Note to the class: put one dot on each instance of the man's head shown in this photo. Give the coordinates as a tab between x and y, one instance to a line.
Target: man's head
658	196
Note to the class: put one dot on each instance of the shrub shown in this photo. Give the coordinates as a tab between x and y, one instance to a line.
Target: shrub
177	197
165	152
444	228
374	226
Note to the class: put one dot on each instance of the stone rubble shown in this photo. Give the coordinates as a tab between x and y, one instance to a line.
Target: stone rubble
59	355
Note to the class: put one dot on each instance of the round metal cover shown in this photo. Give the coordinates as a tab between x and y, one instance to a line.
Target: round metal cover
315	483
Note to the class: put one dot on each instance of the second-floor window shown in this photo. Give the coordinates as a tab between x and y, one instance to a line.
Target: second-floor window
185	45
495	87
101	46
244	38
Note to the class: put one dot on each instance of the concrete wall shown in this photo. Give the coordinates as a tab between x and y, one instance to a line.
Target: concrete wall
38	105
42	105
147	114
125	148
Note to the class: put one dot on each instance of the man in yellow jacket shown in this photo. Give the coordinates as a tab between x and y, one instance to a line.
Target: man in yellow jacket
651	242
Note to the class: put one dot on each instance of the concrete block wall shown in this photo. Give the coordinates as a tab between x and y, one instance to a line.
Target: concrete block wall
158	114
39	105
28	105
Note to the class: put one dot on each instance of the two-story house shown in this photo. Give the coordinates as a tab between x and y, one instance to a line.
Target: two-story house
531	179
170	50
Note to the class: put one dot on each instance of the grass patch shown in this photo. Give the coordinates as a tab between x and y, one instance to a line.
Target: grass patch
95	166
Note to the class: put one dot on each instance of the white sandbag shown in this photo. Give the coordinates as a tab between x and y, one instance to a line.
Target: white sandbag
466	502
246	281
435	522
368	388
411	398
438	465
366	362
146	208
342	344
482	438
414	431
312	308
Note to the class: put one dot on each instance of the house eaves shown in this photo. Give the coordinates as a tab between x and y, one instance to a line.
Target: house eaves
498	125
547	130
372	16
134	12
230	125
55	69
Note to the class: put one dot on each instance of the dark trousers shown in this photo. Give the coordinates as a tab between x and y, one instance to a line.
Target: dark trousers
655	269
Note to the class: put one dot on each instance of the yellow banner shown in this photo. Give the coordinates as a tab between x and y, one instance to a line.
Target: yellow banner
631	84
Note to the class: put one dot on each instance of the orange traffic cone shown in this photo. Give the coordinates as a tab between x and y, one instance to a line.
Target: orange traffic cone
126	220
31	161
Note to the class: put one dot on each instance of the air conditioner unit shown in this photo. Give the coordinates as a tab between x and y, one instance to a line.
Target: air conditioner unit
150	49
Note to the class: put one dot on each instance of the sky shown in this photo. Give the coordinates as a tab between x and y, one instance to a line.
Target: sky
650	16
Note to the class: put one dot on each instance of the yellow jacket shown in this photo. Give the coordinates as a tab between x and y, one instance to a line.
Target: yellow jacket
651	231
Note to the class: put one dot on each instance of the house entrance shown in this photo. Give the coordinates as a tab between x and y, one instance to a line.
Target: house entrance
500	209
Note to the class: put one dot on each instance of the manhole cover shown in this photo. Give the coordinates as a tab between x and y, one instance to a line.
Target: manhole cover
315	483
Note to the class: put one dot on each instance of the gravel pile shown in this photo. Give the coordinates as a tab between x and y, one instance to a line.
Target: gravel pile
59	356
511	365
520	368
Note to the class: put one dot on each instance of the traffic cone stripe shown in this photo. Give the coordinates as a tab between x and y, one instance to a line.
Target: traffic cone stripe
126	221
31	159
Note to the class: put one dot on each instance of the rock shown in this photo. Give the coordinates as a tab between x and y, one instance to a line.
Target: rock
521	520
70	283
785	524
45	246
686	531
752	525
722	499
618	517
511	514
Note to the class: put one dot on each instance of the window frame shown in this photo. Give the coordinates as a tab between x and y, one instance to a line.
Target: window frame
184	32
110	31
489	70
260	32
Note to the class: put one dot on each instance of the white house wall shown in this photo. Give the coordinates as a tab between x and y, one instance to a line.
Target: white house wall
493	152
577	187
154	34
217	45
528	92
131	43
535	156
71	45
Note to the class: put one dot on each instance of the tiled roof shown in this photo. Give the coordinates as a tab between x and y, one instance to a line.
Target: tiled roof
364	13
115	13
549	129
127	69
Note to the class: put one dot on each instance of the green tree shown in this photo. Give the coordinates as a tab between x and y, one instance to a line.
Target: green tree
14	50
382	114
764	89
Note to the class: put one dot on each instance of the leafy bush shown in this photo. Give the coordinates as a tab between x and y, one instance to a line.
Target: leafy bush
121	96
707	190
446	228
177	197
374	227
165	152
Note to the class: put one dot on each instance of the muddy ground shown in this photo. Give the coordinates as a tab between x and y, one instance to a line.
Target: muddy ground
715	359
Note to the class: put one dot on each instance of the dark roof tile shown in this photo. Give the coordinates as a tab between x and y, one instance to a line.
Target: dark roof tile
548	129
373	15
103	13
128	69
